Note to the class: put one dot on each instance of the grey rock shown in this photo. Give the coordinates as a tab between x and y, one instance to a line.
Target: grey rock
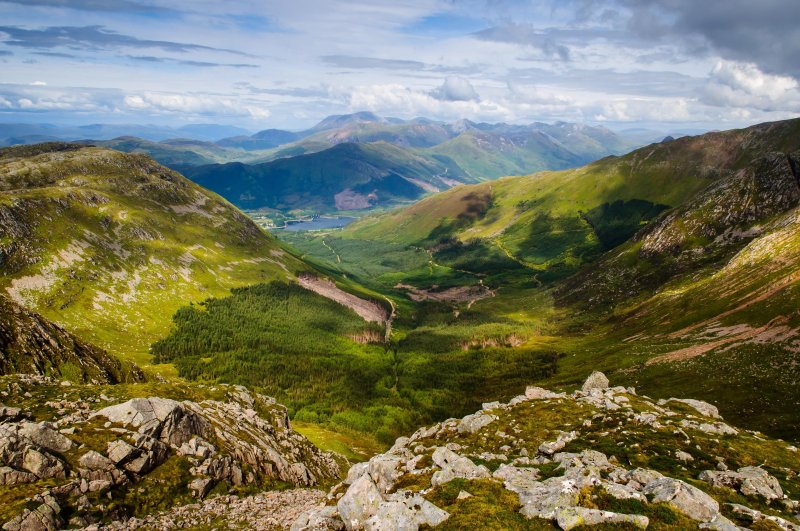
704	408
392	516
384	470
200	487
539	393
10	477
45	517
120	452
43	465
355	472
596	380
96	461
325	517
44	436
572	517
473	423
720	523
687	499
359	503
455	466
749	480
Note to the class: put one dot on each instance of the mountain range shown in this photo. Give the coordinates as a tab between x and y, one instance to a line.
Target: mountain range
159	327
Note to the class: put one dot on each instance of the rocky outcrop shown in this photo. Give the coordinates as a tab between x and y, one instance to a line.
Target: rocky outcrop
540	447
243	439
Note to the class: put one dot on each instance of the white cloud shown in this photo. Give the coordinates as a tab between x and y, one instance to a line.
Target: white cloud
734	84
456	88
192	104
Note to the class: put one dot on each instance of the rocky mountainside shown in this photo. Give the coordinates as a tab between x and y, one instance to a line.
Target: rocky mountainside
599	456
75	455
109	245
31	344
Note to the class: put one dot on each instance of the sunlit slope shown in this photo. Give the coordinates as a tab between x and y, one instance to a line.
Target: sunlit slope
562	219
110	245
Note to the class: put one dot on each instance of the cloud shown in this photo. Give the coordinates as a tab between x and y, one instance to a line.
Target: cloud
118	6
349	61
185	62
527	35
91	38
194	104
734	84
456	88
6	53
763	32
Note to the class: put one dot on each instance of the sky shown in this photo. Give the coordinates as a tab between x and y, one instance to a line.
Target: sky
670	64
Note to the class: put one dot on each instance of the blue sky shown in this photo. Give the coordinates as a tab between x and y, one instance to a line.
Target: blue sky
625	63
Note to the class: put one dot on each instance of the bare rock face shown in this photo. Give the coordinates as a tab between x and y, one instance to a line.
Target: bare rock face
689	500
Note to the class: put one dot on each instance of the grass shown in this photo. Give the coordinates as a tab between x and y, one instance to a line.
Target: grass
355	446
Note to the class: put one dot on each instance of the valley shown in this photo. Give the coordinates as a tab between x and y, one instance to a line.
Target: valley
413	315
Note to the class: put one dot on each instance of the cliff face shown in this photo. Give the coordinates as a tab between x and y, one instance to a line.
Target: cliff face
545	460
31	344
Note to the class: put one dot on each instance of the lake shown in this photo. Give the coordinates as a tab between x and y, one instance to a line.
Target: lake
318	224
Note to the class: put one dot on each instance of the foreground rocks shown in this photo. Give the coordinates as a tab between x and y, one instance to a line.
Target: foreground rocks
658	467
88	460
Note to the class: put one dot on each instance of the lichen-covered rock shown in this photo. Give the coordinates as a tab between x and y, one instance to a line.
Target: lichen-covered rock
454	466
572	517
325	517
686	498
596	380
359	503
749	480
44	436
473	423
704	408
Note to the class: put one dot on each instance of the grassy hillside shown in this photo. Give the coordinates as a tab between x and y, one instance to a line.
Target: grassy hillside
345	177
110	245
675	268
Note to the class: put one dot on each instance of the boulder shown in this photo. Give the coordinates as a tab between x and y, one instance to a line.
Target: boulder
10	477
539	393
44	436
43	465
687	499
476	421
44	517
749	480
359	503
455	466
96	461
392	516
200	487
325	517
355	472
572	517
704	408
384	470
121	452
596	380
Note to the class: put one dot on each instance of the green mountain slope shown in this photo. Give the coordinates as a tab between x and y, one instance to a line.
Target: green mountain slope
30	344
675	267
347	176
110	245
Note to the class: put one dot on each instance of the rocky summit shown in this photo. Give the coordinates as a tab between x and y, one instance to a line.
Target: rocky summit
601	456
80	455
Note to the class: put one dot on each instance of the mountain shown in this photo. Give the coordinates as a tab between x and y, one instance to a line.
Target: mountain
674	267
347	176
30	344
266	139
109	245
598	456
11	133
343	120
210	132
